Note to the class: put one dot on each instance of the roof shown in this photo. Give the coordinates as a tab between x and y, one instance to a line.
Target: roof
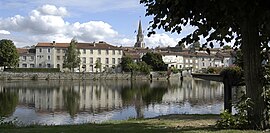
99	45
22	51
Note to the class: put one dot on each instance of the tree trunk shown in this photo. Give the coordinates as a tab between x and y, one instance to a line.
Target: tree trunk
253	71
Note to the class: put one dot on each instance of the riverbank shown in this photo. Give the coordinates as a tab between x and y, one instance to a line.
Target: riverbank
86	76
168	123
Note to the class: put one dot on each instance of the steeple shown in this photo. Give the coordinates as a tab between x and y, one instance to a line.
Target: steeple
140	42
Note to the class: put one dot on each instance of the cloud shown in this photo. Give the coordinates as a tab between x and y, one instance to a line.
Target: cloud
162	40
47	23
4	32
52	10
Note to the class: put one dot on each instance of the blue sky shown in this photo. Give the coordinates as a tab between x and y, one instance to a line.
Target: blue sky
28	22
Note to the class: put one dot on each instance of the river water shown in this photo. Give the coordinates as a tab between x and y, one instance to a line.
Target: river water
74	102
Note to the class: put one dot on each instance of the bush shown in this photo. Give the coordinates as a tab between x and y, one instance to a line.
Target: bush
214	70
19	70
174	70
240	119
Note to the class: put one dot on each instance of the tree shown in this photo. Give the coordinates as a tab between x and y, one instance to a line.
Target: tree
126	63
143	67
227	47
155	61
9	56
245	22
98	65
72	59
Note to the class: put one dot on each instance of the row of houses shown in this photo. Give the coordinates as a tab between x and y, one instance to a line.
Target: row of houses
51	55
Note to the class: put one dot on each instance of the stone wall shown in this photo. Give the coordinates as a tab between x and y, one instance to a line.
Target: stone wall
82	76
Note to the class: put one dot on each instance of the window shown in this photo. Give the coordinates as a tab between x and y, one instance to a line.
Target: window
40	50
49	57
113	60
24	65
91	68
202	59
84	51
91	51
119	60
119	52
91	60
32	58
64	51
58	50
107	51
63	57
203	64
39	65
58	65
98	59
83	60
32	65
49	50
58	57
48	65
113	52
24	58
107	60
99	51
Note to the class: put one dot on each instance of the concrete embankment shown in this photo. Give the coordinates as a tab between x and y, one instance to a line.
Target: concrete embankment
84	76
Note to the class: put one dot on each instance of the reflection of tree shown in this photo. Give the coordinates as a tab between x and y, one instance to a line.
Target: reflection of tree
8	102
142	94
71	101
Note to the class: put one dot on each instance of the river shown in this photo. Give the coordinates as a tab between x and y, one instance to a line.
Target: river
60	102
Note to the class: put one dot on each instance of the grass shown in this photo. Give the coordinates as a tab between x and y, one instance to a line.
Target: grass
164	124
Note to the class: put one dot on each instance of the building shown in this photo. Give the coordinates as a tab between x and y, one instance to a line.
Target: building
52	55
27	57
140	43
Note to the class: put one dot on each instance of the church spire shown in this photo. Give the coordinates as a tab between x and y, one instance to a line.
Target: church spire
140	36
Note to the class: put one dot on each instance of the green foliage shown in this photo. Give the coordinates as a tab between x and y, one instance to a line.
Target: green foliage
143	67
9	56
227	47
234	73
239	59
174	70
98	65
72	59
35	77
125	64
155	61
32	70
8	101
240	119
214	70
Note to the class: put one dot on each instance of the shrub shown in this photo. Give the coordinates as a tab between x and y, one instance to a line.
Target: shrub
240	119
214	70
47	70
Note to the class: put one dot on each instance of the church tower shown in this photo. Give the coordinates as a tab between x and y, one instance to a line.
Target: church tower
140	43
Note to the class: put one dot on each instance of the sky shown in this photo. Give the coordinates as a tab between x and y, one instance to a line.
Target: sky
27	22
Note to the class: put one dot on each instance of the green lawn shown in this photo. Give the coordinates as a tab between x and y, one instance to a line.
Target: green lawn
169	123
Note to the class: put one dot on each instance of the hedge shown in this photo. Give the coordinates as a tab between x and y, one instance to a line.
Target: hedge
47	70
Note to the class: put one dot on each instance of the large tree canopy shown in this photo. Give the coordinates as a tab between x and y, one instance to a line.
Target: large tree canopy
9	56
72	59
220	21
155	61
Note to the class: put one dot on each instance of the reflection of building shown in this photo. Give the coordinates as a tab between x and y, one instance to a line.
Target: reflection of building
91	98
197	92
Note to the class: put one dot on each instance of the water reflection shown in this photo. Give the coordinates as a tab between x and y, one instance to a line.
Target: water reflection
69	102
8	101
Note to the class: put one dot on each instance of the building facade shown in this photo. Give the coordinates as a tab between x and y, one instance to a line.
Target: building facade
52	55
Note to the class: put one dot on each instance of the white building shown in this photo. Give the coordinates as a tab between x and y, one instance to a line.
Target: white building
51	55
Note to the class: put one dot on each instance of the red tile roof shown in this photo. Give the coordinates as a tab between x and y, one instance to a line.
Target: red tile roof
99	45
